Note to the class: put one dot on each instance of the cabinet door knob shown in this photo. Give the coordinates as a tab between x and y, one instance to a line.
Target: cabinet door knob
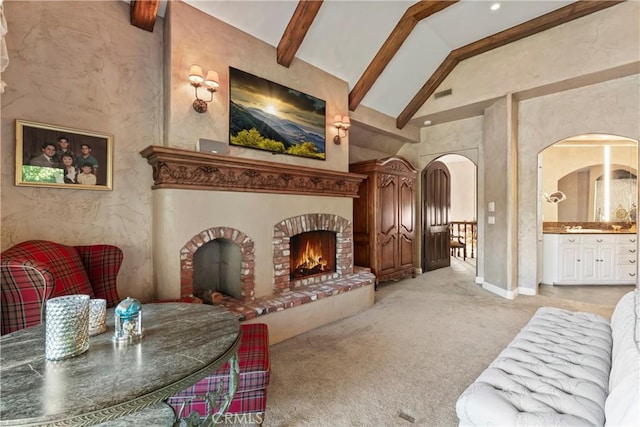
633	251
572	240
578	260
599	240
632	274
632	261
632	240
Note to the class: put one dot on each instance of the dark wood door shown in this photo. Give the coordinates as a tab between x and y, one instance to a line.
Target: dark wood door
436	182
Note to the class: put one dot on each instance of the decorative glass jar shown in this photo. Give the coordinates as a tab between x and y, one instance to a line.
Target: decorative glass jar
128	321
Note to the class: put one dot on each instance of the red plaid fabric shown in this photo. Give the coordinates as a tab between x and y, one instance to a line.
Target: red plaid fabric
102	263
253	360
32	272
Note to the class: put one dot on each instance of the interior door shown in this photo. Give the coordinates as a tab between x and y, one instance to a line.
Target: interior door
436	182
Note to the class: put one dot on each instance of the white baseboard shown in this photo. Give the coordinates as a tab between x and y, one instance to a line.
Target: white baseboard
479	280
500	291
417	271
527	291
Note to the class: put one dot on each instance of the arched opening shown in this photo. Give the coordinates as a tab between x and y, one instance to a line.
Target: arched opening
457	211
588	185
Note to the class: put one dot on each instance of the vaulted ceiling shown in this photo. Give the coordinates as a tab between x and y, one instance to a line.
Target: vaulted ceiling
393	54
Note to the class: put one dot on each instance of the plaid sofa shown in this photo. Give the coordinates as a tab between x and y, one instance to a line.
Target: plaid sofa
36	270
251	395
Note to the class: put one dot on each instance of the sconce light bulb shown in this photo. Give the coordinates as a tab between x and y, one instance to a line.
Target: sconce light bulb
195	75
212	79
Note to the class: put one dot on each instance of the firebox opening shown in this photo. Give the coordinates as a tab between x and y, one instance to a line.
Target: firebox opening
217	268
312	252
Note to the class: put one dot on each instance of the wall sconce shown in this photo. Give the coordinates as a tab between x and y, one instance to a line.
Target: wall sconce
341	122
196	78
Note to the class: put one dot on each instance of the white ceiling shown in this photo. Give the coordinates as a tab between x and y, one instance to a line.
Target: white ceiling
346	35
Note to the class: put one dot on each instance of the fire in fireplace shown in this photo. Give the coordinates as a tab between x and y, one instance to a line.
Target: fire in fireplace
312	252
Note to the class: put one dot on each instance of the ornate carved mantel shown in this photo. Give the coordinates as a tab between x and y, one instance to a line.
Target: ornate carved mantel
186	169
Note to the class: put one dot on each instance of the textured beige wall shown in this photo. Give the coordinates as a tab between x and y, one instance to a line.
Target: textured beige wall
83	65
600	41
605	44
611	107
193	37
463	137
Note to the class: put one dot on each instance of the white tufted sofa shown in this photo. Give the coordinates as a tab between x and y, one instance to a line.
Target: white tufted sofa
563	369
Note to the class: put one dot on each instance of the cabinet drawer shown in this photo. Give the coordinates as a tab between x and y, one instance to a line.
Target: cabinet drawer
599	238
570	240
626	272
627	250
627	239
626	260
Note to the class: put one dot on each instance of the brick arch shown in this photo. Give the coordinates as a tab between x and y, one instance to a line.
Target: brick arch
247	251
285	229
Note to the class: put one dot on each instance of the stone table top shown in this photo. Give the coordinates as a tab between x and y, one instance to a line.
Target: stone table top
182	344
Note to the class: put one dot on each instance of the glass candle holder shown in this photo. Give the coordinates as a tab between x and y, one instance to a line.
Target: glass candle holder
66	326
128	321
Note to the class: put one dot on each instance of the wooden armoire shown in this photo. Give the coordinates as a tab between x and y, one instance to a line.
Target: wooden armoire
384	218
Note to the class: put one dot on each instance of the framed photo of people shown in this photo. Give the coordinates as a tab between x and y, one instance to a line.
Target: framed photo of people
62	157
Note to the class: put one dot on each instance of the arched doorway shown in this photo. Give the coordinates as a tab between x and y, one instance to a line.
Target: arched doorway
585	182
449	209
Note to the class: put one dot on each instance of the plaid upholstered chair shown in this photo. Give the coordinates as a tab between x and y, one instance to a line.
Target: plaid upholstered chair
34	271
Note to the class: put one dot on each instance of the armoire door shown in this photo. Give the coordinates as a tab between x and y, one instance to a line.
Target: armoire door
387	223
406	214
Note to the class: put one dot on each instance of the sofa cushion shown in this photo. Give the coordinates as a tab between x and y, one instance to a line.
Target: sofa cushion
554	372
621	408
65	264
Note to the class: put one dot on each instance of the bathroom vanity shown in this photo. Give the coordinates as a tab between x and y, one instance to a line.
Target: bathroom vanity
589	257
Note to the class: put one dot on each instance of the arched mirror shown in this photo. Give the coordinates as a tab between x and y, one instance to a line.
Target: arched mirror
596	173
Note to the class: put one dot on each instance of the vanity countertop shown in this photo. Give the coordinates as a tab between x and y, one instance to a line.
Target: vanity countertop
586	231
588	228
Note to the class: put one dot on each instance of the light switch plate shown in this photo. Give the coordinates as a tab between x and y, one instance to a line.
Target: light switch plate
492	206
492	220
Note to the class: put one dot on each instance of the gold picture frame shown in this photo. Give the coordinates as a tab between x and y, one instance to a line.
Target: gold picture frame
43	157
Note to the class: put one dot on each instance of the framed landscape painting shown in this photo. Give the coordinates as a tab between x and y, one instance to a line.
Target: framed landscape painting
267	116
62	157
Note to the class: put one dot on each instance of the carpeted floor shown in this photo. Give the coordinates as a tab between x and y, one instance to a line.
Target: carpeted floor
406	360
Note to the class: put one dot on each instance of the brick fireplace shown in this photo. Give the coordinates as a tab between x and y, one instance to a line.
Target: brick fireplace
282	233
255	208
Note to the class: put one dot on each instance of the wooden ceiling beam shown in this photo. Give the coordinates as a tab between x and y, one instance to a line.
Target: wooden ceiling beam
403	28
144	13
552	19
296	30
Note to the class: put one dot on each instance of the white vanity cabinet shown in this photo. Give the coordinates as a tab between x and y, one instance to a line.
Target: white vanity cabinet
589	259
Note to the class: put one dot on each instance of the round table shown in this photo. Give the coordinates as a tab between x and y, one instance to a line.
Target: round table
182	344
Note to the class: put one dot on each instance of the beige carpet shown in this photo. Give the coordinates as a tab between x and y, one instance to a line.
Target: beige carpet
406	360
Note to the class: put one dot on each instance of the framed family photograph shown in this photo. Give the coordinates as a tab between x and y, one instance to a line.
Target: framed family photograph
62	157
267	116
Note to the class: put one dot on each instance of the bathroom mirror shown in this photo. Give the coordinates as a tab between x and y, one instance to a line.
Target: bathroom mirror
598	175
